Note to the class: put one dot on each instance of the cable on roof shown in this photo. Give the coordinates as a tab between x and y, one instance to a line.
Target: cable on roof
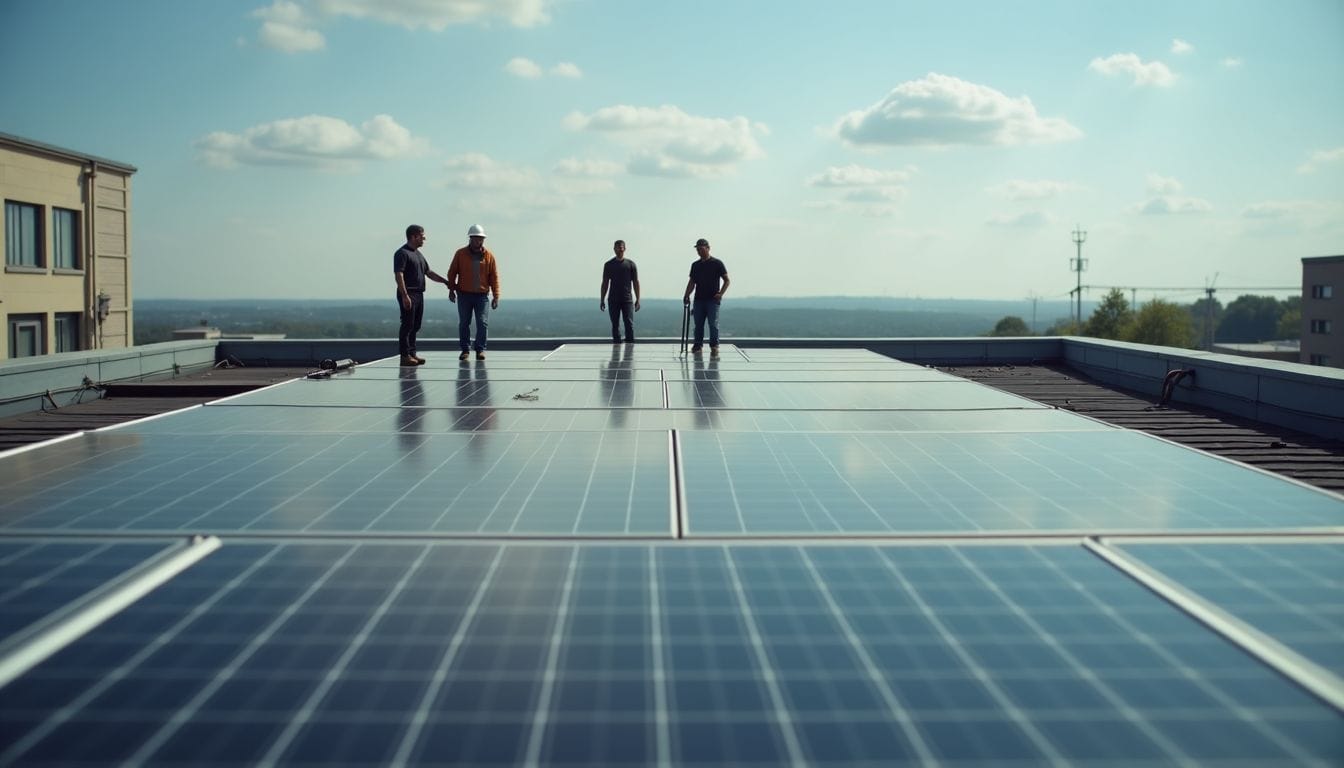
1170	381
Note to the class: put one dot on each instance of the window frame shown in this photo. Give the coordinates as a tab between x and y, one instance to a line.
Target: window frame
1323	291
14	240
1322	327
57	241
18	322
68	339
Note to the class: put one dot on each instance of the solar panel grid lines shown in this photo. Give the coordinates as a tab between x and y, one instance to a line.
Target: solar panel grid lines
612	581
1323	681
187	711
44	728
420	715
1129	713
785	599
305	712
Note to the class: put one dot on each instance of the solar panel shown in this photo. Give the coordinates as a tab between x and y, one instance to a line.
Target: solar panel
1290	591
39	577
622	655
841	395
854	484
477	482
226	418
481	391
610	555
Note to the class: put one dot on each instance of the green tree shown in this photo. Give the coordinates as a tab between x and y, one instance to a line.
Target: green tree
1290	321
1064	326
1250	319
1111	318
1012	325
1205	315
1163	323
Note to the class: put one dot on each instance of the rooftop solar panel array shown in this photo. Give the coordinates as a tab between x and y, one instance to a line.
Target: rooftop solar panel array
618	555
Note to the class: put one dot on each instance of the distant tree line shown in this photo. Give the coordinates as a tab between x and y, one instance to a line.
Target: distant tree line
1247	319
156	320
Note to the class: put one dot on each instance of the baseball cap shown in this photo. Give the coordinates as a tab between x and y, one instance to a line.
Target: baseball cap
700	242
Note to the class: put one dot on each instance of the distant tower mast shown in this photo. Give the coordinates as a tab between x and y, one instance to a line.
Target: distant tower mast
1078	264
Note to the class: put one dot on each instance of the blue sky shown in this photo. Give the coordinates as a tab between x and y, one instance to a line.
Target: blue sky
930	149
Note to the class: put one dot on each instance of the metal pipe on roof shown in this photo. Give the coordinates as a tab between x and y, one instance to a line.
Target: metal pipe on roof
91	335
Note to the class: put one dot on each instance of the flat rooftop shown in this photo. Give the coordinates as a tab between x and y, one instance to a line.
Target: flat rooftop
619	555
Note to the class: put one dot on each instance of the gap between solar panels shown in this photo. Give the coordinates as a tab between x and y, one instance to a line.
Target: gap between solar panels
1319	681
32	645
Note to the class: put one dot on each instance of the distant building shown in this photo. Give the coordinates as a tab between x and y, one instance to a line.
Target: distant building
67	235
202	332
199	332
1323	311
1289	351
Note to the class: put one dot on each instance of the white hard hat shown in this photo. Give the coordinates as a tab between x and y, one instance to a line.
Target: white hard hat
476	231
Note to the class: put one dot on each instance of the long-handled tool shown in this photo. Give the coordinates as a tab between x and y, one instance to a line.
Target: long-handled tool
685	327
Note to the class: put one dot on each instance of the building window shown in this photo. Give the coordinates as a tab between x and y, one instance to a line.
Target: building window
23	235
27	336
1322	291
65	238
67	331
1317	359
1320	326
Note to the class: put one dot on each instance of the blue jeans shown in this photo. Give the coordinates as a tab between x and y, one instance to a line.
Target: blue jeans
702	311
468	303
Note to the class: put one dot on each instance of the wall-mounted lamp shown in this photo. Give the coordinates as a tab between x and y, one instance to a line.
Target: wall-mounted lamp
104	306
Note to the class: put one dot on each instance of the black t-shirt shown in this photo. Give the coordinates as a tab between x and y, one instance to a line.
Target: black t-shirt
706	274
412	265
622	273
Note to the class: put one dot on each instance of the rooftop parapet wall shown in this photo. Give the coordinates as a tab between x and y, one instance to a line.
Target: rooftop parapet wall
1306	398
31	383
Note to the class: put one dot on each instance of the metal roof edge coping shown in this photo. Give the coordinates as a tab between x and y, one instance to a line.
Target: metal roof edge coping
28	145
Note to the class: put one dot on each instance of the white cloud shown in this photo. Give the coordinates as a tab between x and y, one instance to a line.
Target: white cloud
1321	158
314	141
857	176
1163	200
567	69
585	177
1164	205
437	15
1027	189
1275	218
285	27
1179	47
575	168
940	110
1144	73
476	171
525	68
665	141
1025	220
1232	62
1284	209
866	191
1162	185
517	191
530	70
876	195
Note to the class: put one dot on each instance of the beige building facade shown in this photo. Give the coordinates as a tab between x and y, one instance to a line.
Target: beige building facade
66	232
1323	311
